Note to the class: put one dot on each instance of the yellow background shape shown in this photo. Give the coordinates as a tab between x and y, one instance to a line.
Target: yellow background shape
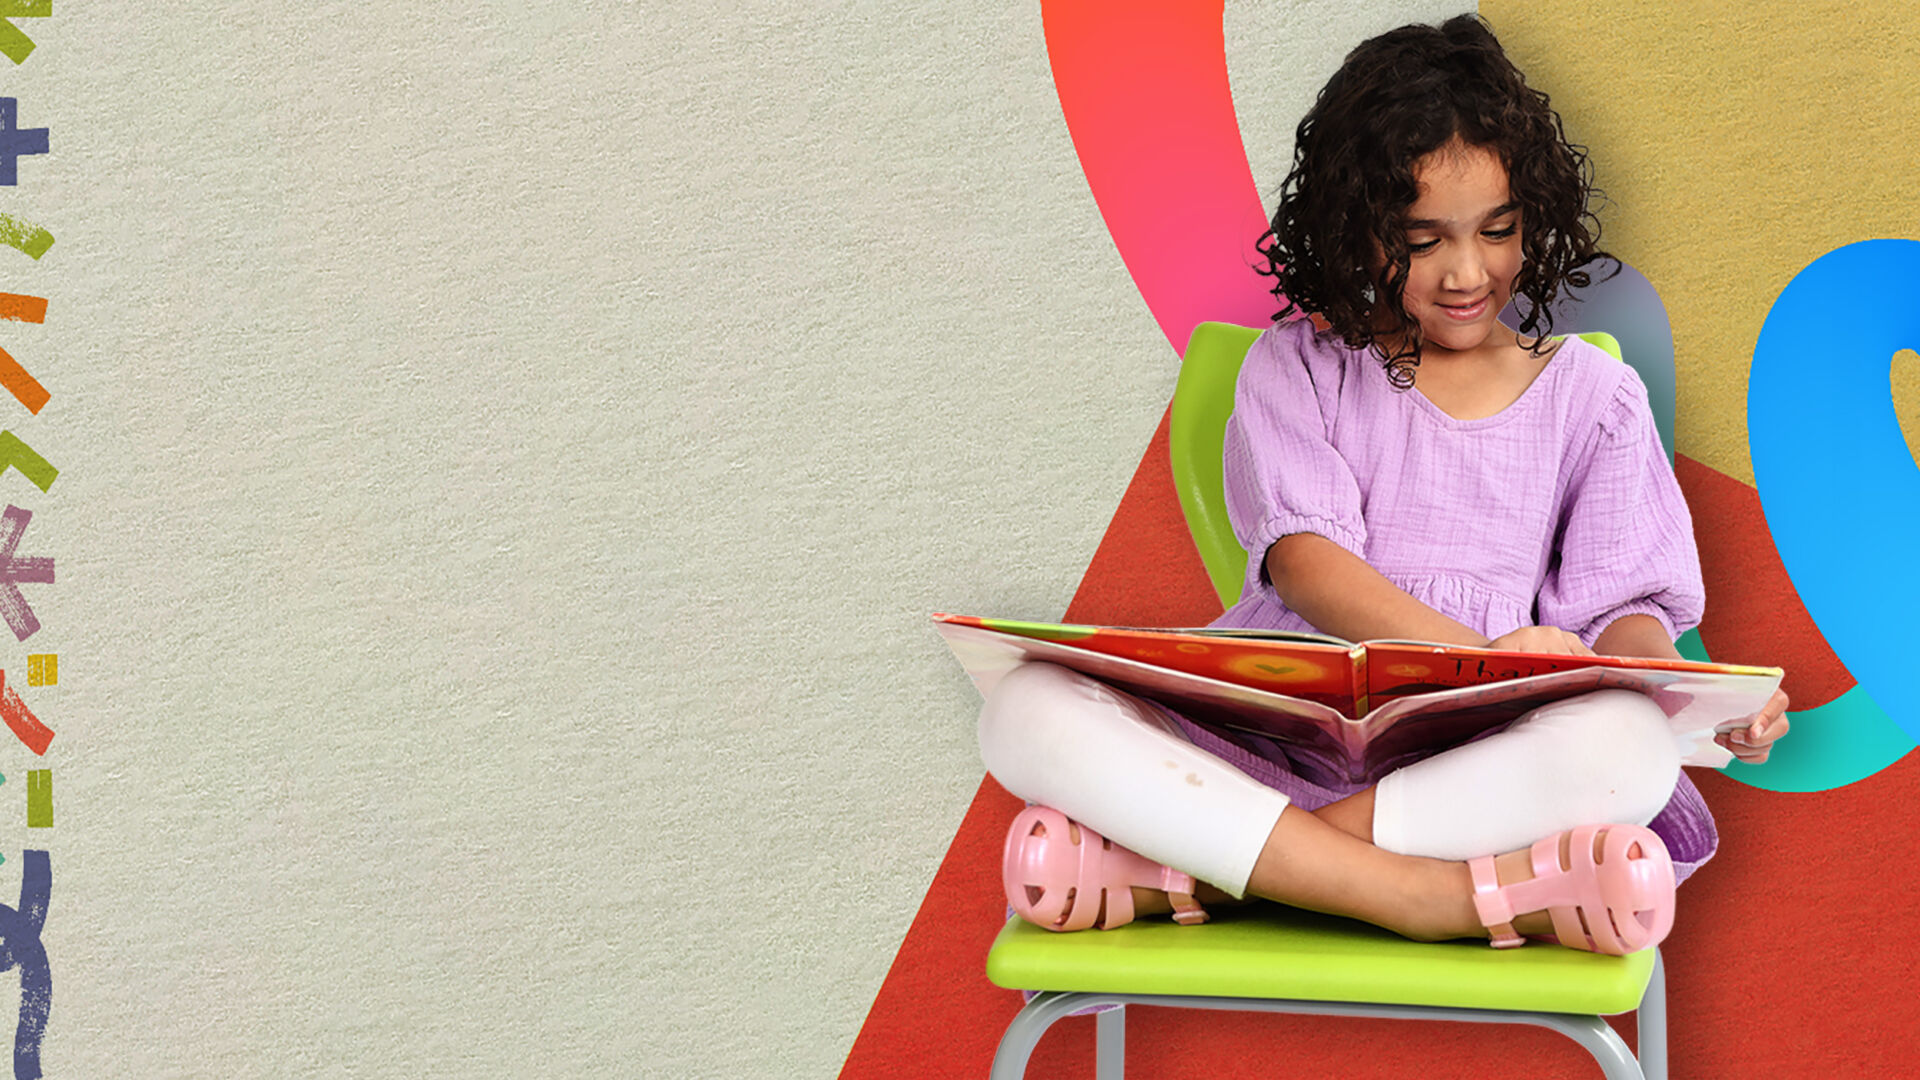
1906	398
1736	142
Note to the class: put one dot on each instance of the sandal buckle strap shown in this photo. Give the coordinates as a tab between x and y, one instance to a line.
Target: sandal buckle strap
1492	905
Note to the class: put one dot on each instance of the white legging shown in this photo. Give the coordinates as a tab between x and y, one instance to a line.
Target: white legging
1125	768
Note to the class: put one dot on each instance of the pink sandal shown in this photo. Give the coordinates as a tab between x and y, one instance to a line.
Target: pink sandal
1617	904
1057	883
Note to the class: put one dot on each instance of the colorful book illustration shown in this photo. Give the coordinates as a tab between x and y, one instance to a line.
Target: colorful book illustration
1356	712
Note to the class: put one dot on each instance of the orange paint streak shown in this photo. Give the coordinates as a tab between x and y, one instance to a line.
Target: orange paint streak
21	384
25	726
20	308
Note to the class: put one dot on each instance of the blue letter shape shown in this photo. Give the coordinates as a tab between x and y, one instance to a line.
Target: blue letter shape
1840	491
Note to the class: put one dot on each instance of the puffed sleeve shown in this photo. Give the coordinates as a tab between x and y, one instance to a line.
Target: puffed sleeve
1283	475
1625	542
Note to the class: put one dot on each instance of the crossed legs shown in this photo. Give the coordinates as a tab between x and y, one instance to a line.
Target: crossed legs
1390	855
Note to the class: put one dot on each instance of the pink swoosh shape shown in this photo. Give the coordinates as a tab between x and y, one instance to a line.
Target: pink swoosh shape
1147	101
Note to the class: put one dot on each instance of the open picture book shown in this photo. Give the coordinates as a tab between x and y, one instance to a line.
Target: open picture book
1356	712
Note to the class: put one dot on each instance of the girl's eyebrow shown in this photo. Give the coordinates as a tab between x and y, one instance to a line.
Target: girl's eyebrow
1499	211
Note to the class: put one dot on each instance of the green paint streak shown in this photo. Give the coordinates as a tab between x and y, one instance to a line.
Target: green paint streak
21	456
23	235
39	798
15	44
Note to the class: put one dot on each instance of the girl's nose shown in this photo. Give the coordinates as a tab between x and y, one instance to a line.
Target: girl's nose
1466	273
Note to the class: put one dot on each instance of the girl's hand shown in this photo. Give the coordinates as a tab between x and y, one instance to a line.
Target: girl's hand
1754	742
1541	639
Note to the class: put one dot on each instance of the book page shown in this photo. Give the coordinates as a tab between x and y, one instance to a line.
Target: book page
1401	669
1318	737
1316	671
1697	704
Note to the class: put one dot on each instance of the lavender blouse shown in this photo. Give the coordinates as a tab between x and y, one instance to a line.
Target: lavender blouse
1559	510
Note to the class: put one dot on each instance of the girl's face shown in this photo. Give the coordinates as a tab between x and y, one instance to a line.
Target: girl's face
1463	241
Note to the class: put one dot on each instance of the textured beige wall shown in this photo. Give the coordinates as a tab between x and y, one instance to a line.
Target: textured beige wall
508	456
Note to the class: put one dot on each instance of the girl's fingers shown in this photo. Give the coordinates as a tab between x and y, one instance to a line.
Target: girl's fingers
1769	724
1767	728
1743	750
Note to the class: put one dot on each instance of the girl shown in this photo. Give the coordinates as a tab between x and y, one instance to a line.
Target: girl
1401	465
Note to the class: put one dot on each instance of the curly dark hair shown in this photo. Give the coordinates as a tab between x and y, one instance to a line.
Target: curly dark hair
1397	98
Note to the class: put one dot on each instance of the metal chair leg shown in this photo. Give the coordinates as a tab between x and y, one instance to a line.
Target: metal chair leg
1600	1040
1110	1045
1023	1034
1653	1023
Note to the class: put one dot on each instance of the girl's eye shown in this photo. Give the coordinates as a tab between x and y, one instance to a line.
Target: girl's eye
1423	246
1501	234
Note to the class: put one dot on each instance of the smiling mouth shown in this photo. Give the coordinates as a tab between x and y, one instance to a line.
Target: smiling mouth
1466	311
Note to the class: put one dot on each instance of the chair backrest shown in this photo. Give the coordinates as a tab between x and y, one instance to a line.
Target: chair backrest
1202	401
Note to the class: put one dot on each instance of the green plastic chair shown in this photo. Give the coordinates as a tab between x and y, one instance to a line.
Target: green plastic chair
1270	958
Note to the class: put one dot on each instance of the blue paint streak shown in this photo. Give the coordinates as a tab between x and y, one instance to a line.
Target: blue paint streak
16	142
1840	491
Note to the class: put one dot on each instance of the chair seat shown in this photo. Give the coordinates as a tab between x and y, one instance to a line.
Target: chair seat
1271	951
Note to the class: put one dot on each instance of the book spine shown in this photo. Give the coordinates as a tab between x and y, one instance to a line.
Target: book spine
1358	656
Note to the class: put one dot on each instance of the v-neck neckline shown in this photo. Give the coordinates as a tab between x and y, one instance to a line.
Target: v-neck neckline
1510	409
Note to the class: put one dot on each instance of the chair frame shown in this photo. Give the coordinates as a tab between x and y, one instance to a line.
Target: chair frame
1110	1038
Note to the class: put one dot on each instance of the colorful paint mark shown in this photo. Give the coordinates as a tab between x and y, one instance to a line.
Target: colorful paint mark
39	798
20	946
13	41
1840	492
1145	93
20	308
21	384
16	142
20	720
13	571
24	236
16	453
20	929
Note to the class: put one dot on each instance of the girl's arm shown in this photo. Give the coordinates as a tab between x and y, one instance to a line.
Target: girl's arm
1338	593
1635	635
